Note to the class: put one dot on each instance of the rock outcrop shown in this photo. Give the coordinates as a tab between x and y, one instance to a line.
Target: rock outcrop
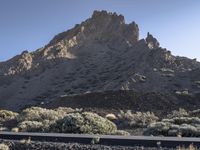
152	42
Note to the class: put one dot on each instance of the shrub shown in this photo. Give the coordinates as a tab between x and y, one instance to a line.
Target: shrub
38	114
121	132
186	120
188	130
6	115
15	129
85	122
67	120
31	126
174	130
195	113
3	147
4	129
176	125
158	128
168	129
138	119
66	110
36	119
180	113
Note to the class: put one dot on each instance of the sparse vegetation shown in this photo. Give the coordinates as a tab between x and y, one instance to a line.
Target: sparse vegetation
67	120
178	123
129	119
62	119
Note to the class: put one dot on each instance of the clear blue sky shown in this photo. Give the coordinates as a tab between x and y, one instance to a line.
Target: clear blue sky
30	24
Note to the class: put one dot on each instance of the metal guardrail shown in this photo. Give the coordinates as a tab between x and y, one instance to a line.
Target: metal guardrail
146	141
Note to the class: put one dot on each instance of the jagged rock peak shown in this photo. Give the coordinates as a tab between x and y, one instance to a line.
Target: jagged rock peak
104	14
152	42
102	26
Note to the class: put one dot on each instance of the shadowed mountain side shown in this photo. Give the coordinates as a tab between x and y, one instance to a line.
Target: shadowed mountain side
121	100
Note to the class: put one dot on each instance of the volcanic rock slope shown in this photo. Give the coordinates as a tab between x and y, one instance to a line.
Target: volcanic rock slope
102	53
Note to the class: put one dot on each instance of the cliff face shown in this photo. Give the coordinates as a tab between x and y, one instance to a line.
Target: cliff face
100	54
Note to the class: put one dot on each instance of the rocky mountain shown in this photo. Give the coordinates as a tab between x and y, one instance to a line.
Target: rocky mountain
101	54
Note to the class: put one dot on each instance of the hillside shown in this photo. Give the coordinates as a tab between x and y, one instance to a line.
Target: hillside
101	54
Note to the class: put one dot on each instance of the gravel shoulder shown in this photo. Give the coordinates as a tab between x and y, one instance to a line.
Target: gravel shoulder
30	145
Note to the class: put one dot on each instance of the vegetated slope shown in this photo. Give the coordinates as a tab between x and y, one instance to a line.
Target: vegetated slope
101	54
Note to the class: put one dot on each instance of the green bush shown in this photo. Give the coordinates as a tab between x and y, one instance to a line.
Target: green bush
85	122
